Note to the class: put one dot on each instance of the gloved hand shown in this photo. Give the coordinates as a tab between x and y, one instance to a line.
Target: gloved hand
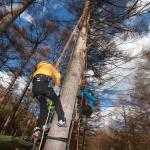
57	90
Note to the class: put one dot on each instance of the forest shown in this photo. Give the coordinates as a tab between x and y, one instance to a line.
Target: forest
101	45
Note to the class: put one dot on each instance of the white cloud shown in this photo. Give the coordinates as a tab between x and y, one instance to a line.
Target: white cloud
25	15
133	46
57	5
141	4
20	85
110	116
5	80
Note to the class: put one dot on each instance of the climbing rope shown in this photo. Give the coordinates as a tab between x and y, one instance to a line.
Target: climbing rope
48	119
74	33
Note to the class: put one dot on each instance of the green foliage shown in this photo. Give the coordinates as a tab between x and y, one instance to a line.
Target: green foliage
10	143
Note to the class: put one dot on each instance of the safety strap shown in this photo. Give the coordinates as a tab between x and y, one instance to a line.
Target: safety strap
62	139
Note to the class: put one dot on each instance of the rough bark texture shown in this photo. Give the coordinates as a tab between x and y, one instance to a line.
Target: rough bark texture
8	19
71	85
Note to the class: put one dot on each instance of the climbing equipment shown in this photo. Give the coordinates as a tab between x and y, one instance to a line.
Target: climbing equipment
51	108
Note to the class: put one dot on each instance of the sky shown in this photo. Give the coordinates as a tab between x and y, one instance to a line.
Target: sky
133	45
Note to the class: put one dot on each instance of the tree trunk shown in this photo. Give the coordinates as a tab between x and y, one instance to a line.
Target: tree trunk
4	100
71	85
8	19
10	119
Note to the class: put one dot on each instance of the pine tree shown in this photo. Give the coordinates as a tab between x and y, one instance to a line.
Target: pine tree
71	84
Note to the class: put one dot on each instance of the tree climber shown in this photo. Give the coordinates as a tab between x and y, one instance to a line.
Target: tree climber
36	132
88	99
41	89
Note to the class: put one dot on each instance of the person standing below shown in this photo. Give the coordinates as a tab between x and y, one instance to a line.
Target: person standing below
42	76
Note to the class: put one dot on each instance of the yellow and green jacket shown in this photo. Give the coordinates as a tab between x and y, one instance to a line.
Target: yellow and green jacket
46	68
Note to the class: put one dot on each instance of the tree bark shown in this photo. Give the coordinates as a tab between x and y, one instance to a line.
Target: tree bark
71	85
8	19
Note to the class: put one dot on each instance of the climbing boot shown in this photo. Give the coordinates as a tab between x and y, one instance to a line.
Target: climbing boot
62	123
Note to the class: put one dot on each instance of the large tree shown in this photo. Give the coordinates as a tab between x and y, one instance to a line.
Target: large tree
71	84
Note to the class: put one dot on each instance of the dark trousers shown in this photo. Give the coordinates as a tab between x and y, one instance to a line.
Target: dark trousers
86	108
87	111
41	91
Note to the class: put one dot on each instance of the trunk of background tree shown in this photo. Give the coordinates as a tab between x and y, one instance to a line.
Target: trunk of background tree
8	19
11	118
71	85
6	97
